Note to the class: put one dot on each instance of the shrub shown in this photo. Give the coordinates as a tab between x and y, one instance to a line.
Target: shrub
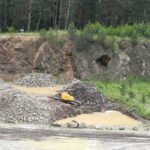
51	33
147	31
140	28
137	30
11	29
115	48
101	36
55	39
134	38
72	30
81	42
143	99
126	30
123	89
43	32
52	37
108	43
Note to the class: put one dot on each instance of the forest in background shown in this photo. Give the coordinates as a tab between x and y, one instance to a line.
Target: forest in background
33	15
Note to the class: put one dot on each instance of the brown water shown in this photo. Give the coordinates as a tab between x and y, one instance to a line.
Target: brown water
111	118
64	144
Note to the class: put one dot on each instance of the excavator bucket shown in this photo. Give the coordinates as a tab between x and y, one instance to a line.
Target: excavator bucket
67	97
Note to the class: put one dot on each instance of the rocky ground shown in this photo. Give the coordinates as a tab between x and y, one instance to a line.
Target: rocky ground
18	107
35	138
36	80
22	107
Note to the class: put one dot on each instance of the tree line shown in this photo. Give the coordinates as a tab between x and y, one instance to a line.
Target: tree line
33	15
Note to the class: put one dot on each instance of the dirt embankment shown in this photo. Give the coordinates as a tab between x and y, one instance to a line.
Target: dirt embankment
25	54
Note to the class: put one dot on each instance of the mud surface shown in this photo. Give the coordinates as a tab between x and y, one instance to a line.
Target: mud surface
108	118
53	139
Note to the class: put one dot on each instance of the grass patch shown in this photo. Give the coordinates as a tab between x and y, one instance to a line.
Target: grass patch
54	37
133	93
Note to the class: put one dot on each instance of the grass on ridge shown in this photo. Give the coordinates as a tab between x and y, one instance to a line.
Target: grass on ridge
133	93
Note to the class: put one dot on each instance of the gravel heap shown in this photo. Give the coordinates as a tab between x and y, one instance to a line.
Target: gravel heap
17	106
36	80
91	100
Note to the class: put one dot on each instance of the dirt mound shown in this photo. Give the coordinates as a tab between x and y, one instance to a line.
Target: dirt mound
36	80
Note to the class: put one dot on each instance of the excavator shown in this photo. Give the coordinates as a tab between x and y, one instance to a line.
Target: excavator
67	98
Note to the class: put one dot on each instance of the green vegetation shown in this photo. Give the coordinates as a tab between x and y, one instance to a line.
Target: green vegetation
107	36
133	93
133	31
33	15
93	33
11	29
72	30
54	37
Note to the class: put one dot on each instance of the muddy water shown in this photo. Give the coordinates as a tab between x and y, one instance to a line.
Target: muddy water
39	90
65	144
111	118
55	139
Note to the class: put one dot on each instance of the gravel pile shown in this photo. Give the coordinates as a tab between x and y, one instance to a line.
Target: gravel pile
19	107
90	99
36	80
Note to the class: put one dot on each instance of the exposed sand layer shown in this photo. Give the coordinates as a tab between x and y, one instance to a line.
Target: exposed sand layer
108	118
39	90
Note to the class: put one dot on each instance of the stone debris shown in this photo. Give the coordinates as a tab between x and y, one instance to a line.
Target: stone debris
91	100
36	80
19	107
80	125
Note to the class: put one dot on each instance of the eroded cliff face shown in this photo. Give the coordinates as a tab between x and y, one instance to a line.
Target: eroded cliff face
25	54
130	60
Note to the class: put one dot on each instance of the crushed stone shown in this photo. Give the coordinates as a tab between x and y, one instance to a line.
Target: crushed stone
19	107
36	80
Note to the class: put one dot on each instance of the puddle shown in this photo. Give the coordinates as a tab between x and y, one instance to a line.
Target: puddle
108	118
39	90
65	144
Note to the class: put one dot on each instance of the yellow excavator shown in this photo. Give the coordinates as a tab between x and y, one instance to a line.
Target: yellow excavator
67	98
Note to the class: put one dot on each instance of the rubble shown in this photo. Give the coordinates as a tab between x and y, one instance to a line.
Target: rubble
20	107
91	100
36	80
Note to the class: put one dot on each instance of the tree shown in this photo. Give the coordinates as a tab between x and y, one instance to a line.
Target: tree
29	13
68	13
38	14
